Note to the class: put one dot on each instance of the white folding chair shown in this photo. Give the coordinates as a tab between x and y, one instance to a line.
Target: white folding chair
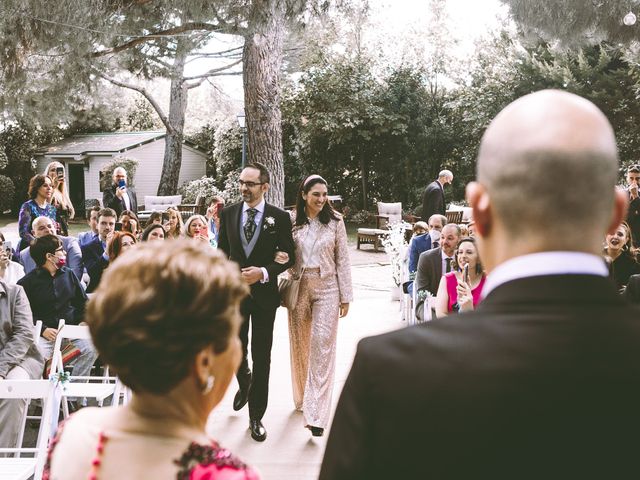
91	386
37	329
22	468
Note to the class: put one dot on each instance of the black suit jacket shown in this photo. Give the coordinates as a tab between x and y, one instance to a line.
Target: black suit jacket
110	200
541	381
433	200
94	262
271	239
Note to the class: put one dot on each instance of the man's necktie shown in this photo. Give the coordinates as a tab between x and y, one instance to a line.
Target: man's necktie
250	224
448	260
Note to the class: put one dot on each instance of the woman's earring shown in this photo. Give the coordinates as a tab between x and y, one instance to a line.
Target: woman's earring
208	386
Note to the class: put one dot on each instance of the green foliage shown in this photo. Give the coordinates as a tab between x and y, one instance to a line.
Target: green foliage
106	172
4	160
227	150
142	116
574	22
8	190
20	142
204	187
205	139
231	186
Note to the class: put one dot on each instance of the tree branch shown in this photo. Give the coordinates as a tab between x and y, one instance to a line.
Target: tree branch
213	71
143	92
187	27
199	82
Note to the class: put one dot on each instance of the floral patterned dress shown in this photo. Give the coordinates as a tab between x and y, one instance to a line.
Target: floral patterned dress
29	211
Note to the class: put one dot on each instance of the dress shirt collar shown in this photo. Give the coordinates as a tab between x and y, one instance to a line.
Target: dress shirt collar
445	256
259	207
545	263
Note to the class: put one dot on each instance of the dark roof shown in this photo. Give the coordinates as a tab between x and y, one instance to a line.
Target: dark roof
103	142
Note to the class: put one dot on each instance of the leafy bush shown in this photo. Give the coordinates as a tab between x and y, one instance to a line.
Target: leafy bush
8	190
204	187
231	187
361	217
129	164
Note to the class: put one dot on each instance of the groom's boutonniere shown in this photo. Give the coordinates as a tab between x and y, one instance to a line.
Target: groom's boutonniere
269	223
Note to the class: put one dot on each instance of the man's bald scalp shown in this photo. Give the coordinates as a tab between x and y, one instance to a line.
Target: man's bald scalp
550	155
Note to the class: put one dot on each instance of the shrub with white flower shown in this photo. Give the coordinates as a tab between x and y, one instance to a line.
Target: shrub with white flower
394	243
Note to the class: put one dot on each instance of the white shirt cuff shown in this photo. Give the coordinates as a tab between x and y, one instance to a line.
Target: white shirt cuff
265	275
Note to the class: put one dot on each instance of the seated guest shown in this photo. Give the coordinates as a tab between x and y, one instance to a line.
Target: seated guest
173	225
119	243
619	248
85	238
471	228
130	222
20	358
464	230
154	231
213	216
94	254
55	293
154	219
541	380
10	271
44	226
196	227
433	264
422	243
455	293
419	228
174	342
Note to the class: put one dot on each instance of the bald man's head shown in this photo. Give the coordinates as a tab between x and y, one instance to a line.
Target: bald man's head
548	162
42	226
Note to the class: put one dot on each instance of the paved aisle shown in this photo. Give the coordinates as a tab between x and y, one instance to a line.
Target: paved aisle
290	453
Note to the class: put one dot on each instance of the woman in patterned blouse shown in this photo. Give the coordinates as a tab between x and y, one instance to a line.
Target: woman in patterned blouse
39	205
165	318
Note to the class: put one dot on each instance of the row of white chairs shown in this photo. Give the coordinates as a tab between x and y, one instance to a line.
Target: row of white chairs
53	393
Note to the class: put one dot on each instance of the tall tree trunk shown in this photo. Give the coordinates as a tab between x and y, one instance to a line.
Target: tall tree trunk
175	131
262	57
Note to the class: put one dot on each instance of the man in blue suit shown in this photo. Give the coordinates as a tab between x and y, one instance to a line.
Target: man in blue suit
422	243
94	253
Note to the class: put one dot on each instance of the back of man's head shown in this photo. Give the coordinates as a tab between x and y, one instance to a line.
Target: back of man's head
547	170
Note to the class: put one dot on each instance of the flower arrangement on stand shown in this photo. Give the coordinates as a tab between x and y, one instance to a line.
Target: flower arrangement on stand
395	246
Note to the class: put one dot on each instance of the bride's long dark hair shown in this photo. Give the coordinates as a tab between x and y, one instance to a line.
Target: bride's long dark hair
326	214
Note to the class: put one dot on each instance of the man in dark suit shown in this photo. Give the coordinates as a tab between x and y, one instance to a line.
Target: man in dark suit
434	263
120	196
94	254
251	232
542	380
433	196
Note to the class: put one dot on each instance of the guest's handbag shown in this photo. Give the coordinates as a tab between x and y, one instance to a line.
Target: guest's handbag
289	286
68	352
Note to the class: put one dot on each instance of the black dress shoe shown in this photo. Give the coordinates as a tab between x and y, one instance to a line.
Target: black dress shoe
258	432
316	431
241	399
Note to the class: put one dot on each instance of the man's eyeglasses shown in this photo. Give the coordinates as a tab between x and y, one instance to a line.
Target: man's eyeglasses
249	184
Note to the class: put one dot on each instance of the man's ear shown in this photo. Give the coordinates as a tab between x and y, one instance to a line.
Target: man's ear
478	199
620	207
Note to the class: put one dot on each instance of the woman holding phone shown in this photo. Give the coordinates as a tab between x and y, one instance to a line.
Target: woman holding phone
60	200
460	290
213	215
196	227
